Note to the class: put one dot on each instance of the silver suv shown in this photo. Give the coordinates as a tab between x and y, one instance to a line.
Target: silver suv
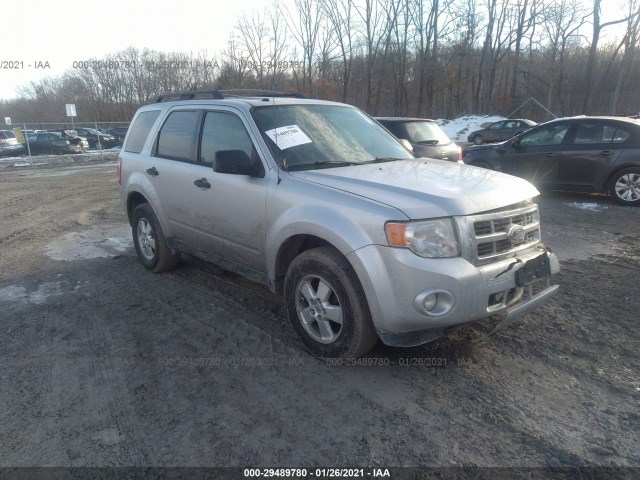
323	205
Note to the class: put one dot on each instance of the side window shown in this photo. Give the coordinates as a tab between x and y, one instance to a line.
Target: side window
175	140
140	131
497	126
552	134
614	134
223	132
587	133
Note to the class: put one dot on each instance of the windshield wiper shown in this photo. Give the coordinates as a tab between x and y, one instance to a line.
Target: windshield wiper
324	164
385	159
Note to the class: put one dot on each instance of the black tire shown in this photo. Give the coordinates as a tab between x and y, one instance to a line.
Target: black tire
624	186
150	242
56	151
356	335
477	140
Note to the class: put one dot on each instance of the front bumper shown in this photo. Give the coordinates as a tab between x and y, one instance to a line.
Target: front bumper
395	280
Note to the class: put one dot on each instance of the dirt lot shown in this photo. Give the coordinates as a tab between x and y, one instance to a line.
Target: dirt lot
105	364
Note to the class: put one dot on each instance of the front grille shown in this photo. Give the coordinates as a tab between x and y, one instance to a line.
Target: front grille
494	235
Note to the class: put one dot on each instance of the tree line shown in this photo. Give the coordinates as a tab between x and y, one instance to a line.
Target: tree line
425	58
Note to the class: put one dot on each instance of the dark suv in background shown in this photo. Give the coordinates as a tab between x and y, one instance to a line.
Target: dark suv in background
119	133
425	136
590	154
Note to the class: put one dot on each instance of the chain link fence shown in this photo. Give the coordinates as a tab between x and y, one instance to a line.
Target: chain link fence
96	136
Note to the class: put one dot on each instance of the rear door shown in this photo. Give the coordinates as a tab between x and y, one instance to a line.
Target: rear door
171	170
593	147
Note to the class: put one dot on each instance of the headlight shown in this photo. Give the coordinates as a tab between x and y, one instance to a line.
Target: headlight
429	238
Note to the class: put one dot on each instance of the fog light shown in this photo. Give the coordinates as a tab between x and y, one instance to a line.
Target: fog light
430	301
434	303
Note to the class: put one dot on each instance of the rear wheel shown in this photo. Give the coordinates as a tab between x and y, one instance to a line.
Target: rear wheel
624	186
477	140
150	242
327	306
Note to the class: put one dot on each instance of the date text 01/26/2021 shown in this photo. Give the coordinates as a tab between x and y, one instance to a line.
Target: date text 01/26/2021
316	472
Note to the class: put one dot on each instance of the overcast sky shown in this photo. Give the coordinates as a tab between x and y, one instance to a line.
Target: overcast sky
60	33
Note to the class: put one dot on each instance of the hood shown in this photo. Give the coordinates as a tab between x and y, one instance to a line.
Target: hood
426	188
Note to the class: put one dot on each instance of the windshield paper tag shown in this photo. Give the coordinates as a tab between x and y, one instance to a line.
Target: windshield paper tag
287	137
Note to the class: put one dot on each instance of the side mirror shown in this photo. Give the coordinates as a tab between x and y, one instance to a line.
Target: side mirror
237	162
407	144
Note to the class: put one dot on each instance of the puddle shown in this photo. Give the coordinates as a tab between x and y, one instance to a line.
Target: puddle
17	294
101	241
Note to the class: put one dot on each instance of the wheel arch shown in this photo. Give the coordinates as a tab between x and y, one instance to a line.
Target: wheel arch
290	249
133	200
604	186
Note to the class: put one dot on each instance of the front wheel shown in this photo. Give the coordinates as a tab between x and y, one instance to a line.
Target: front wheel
624	187
150	242
326	305
477	140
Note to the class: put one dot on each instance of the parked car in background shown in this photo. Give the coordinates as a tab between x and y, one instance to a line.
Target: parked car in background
591	154
56	143
425	136
500	131
95	138
9	145
119	133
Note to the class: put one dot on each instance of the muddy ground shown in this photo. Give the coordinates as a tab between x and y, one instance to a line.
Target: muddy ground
105	364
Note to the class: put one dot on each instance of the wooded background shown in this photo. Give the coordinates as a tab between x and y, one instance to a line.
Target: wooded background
426	58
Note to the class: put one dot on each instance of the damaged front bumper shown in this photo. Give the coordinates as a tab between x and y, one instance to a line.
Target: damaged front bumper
401	287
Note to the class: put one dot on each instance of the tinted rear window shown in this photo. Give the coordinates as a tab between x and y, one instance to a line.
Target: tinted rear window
176	136
140	131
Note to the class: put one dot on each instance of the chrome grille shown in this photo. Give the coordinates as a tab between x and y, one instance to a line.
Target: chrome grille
490	231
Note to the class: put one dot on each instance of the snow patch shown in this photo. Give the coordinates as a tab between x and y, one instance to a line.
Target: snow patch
587	206
458	129
17	294
100	241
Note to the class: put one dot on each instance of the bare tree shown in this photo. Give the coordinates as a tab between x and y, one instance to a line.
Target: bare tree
340	16
593	50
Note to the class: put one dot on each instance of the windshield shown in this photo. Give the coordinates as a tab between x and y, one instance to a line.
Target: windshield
426	133
321	136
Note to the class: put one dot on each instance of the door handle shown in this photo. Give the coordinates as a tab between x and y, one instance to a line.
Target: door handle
152	171
202	183
606	153
551	155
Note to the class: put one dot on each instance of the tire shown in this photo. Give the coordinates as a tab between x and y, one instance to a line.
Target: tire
56	151
477	140
150	242
624	186
320	291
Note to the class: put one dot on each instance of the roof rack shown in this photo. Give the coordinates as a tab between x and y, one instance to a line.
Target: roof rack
248	92
167	97
220	94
